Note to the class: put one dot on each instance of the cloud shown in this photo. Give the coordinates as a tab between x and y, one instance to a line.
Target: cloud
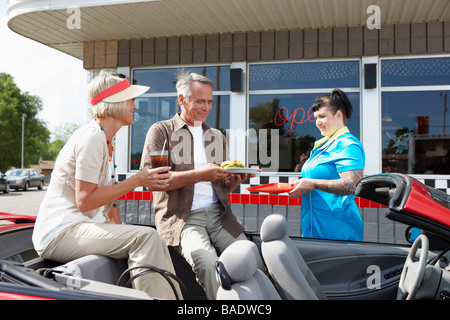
57	78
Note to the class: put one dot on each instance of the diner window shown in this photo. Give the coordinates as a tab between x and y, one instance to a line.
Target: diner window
415	121
160	102
280	98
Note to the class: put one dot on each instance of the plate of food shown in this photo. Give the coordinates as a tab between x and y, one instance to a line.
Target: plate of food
235	166
277	187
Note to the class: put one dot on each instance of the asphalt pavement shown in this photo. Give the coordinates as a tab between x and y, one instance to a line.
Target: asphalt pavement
22	202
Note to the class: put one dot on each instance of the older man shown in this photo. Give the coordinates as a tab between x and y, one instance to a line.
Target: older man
193	215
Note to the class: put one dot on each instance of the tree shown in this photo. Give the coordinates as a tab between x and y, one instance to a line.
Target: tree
14	103
61	135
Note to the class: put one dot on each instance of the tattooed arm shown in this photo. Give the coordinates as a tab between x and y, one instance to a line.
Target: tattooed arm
345	185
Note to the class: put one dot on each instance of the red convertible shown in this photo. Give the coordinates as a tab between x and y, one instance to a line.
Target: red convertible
327	269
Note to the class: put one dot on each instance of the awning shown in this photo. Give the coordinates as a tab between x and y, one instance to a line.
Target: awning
52	22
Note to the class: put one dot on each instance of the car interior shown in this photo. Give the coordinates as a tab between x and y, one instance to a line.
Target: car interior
286	267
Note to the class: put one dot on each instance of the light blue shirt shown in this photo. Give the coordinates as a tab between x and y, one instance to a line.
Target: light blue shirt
327	215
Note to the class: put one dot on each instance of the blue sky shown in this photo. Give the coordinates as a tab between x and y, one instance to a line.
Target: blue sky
57	78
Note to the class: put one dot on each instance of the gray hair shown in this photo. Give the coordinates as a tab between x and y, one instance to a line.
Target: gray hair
184	80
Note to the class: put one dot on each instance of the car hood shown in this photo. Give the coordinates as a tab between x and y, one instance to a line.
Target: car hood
15	177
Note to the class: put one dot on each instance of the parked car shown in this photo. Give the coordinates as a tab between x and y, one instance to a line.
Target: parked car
4	183
344	270
25	179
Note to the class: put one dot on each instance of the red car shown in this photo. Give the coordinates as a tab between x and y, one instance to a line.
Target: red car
341	267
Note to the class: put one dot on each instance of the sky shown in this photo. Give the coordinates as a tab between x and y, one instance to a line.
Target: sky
57	78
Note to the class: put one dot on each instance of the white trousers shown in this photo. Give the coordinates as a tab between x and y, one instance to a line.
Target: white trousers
140	245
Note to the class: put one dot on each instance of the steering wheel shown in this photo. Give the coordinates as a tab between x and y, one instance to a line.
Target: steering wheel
412	274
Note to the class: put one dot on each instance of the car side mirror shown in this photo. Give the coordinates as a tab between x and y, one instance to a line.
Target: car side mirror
411	234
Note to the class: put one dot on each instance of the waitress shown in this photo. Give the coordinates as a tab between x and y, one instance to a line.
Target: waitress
330	175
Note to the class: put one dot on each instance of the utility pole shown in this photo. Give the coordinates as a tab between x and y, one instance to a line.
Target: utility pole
24	115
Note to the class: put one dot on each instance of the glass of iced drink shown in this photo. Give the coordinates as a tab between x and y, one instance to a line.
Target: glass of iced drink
159	158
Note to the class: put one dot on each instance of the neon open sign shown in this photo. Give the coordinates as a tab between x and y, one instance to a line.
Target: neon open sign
299	116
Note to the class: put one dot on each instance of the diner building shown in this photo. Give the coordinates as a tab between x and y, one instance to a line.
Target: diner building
270	59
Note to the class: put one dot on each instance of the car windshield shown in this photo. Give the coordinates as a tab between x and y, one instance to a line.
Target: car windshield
440	197
15	172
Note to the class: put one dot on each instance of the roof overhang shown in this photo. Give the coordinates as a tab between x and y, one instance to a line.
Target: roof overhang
66	24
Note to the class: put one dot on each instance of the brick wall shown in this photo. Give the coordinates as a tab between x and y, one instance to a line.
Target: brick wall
134	209
401	39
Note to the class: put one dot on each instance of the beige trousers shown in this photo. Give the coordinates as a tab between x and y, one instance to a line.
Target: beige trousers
140	245
203	239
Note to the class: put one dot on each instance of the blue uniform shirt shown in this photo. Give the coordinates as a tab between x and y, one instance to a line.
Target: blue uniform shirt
327	215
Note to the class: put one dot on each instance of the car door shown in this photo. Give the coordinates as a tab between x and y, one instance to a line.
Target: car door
34	178
354	270
29	175
2	181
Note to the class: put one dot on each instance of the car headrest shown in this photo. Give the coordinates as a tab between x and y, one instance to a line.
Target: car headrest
240	260
274	227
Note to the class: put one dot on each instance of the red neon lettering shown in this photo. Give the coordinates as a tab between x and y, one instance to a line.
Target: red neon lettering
304	118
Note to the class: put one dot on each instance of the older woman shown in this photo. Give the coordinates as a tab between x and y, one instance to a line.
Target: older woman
79	214
330	175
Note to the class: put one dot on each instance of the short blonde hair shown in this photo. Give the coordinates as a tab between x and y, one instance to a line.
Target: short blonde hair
104	109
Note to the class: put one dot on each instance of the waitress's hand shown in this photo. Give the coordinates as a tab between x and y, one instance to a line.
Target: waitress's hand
302	187
157	179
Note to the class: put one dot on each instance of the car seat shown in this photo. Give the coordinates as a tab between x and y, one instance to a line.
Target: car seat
239	277
285	263
94	267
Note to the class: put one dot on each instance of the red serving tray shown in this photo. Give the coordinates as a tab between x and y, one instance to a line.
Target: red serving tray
277	187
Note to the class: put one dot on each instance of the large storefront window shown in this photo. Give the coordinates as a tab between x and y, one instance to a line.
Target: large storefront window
161	103
415	121
280	98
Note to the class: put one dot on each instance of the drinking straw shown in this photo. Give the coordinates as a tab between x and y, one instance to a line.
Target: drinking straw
160	158
164	145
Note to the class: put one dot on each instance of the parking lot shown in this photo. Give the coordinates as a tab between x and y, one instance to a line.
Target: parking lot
22	202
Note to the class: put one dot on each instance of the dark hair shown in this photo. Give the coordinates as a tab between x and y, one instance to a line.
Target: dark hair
338	101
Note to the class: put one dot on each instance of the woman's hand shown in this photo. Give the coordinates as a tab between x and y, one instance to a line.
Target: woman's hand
156	179
345	185
113	214
302	187
89	196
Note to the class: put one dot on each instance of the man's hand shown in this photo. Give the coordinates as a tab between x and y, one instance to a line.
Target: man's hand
157	179
233	180
211	172
208	172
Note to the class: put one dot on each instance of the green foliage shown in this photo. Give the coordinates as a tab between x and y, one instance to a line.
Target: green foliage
61	135
14	103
